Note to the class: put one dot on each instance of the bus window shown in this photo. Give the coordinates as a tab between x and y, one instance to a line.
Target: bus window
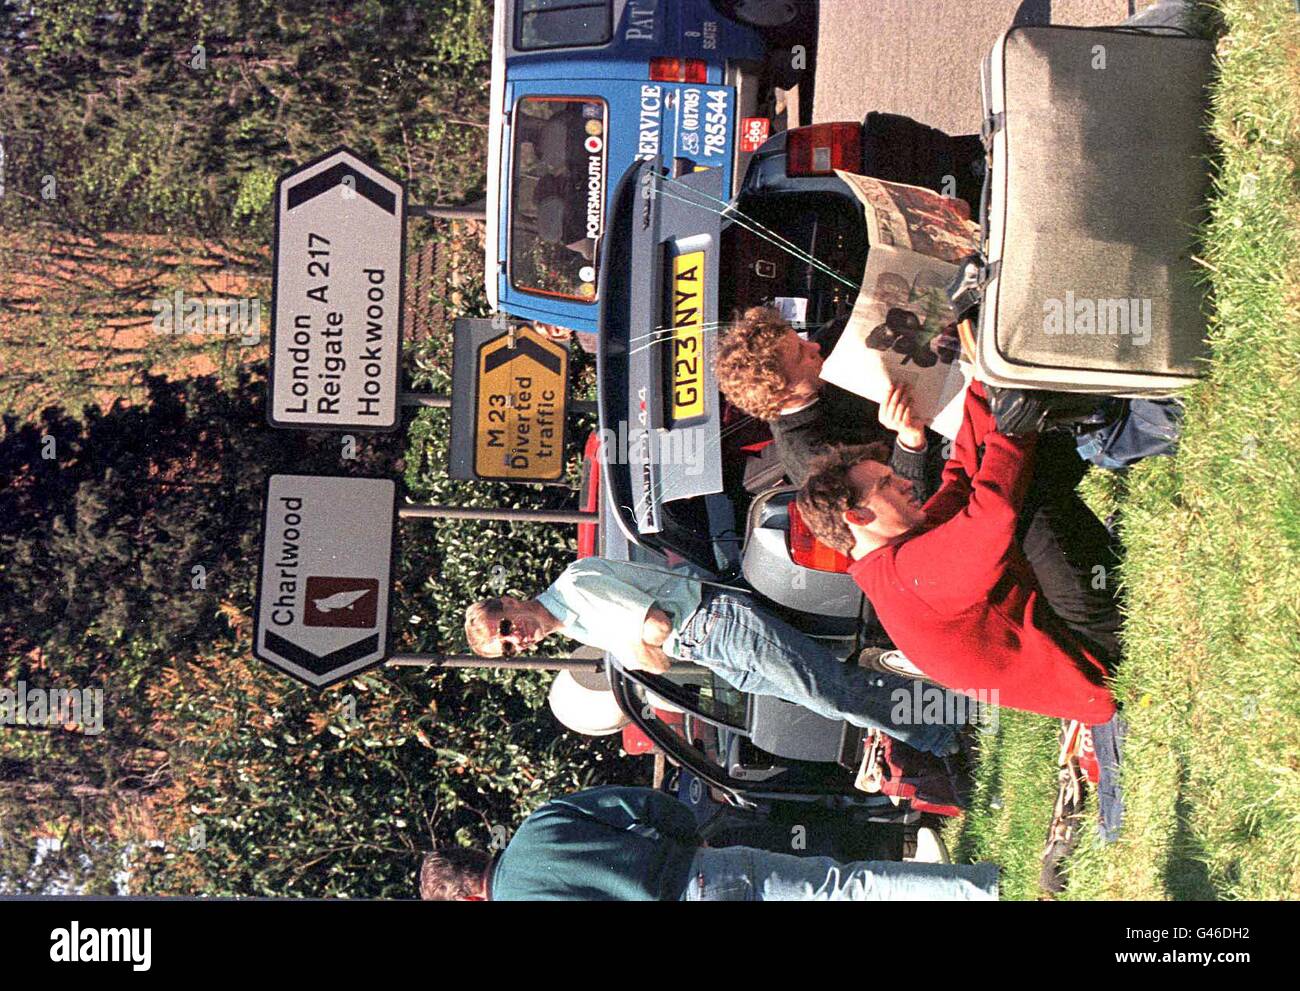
561	24
557	195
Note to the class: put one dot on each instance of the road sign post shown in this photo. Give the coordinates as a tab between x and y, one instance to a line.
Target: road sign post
336	327
530	662
324	583
426	512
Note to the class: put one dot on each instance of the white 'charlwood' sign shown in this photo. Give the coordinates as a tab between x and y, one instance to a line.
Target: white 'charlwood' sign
324	582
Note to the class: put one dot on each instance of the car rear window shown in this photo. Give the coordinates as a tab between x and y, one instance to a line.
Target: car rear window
704	693
561	24
759	271
557	208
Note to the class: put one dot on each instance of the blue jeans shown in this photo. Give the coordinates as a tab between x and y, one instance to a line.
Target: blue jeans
758	653
1148	428
1107	741
745	874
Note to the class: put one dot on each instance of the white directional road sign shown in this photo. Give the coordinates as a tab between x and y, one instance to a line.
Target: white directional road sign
323	586
340	227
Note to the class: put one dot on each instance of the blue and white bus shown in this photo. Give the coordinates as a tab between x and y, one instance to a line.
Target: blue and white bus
582	88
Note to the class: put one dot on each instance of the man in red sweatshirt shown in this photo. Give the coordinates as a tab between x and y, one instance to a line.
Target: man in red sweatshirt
950	581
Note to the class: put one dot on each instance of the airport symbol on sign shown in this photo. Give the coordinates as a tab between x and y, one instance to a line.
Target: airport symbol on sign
323	587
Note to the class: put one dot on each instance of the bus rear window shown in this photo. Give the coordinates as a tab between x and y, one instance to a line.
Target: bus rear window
561	24
557	195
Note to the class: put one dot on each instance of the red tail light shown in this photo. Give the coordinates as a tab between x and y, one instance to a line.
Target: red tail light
823	148
636	742
589	496
678	70
808	552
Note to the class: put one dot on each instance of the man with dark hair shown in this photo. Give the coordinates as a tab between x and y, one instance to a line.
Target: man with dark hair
638	844
976	593
455	874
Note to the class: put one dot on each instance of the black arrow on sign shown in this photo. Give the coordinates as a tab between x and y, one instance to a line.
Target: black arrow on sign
323	182
525	347
319	664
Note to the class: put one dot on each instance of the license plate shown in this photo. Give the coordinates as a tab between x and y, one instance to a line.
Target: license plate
688	336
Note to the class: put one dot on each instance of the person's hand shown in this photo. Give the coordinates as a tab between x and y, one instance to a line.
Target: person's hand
656	628
896	415
647	657
553	332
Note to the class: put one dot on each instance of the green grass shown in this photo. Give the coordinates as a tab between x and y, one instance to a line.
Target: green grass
1211	676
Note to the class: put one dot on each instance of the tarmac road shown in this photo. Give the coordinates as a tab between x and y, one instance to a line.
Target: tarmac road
921	57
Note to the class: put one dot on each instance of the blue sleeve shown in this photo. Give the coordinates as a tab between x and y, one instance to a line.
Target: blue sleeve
593	585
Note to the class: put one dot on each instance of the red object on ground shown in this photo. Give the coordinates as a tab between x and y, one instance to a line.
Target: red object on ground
920	778
959	598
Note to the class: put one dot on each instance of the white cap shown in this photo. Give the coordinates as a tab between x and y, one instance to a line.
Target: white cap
584	702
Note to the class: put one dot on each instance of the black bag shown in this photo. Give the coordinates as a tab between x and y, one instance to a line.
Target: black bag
1029	411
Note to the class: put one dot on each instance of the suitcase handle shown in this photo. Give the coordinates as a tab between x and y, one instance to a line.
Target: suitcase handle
1171	29
989	126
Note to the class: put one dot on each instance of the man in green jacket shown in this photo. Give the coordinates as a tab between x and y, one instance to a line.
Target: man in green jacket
638	844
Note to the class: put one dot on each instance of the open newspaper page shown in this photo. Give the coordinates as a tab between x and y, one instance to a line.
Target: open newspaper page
903	330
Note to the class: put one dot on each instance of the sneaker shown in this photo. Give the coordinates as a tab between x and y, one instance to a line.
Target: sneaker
1063	833
930	848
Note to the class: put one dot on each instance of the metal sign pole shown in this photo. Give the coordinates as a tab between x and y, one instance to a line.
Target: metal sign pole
521	662
510	515
442	211
439	401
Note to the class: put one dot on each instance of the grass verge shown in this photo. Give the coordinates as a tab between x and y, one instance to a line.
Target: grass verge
1211	676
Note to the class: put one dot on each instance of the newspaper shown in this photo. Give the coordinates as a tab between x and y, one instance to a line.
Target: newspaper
903	330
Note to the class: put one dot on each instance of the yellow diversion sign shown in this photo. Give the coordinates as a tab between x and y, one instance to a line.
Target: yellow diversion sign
688	336
520	409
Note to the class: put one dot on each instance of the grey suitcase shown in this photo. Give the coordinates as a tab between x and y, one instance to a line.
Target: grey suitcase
1097	182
